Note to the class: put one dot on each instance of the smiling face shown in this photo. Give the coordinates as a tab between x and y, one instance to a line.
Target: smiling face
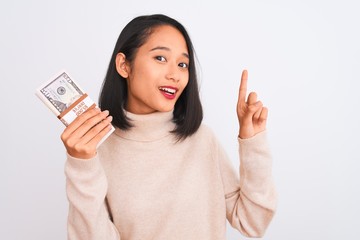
159	73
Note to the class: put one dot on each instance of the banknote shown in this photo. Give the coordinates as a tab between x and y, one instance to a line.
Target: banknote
60	92
64	97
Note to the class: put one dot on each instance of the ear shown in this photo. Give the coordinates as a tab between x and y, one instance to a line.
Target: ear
121	65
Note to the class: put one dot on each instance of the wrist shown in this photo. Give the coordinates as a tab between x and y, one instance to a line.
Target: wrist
245	134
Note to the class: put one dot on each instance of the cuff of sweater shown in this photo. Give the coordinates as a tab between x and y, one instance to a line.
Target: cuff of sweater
255	152
81	165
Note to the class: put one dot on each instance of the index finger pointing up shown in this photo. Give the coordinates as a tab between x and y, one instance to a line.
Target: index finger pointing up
243	86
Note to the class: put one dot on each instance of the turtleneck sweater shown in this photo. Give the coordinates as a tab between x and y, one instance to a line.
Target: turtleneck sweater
145	184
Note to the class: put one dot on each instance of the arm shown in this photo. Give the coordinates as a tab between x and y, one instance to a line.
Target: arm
251	208
250	204
86	183
86	188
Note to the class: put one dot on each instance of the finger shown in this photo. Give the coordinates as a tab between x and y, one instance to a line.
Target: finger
93	132
85	147
264	114
90	124
95	140
243	86
252	98
257	114
253	108
79	121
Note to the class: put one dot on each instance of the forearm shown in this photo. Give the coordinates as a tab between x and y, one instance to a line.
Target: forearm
254	205
86	187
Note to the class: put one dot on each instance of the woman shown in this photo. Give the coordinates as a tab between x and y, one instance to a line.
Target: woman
162	174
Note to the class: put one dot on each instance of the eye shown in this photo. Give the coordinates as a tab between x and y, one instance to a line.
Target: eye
160	58
183	65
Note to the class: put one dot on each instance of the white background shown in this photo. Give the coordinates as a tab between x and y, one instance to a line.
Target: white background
303	61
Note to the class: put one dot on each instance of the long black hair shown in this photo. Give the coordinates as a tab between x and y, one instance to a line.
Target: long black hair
187	113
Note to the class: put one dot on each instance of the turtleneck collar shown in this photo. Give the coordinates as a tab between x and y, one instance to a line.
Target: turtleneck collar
148	127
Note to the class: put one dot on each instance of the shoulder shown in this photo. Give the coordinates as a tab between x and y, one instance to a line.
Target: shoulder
205	133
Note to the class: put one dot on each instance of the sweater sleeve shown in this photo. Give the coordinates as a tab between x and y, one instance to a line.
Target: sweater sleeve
86	188
250	201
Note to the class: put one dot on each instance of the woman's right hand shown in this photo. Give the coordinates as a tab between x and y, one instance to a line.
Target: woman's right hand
85	132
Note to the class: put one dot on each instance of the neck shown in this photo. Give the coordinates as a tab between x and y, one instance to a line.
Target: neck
148	127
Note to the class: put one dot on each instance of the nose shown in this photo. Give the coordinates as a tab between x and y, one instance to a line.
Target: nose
173	74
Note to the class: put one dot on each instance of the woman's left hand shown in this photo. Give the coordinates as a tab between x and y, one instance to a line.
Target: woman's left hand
252	114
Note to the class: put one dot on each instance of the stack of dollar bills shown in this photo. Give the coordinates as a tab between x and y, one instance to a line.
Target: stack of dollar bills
64	97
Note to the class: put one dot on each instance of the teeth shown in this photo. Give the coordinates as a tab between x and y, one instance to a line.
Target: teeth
168	90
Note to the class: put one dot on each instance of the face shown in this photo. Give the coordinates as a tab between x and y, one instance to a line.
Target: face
159	72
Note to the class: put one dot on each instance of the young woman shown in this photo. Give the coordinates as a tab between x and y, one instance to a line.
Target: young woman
162	174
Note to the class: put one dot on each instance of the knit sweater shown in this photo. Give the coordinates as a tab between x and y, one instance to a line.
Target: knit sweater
144	184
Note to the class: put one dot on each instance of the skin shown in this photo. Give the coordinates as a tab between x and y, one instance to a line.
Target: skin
161	61
81	137
252	115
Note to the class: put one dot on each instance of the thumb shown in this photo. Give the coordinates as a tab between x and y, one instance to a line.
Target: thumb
249	114
252	109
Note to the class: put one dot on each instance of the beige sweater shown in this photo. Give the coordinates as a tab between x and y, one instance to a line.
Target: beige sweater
144	185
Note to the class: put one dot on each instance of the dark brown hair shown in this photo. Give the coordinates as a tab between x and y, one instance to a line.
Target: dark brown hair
188	112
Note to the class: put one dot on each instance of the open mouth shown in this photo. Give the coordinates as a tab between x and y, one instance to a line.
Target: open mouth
168	92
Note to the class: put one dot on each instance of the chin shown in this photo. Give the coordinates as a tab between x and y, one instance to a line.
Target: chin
166	108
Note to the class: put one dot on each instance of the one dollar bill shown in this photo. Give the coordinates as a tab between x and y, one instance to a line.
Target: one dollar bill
64	97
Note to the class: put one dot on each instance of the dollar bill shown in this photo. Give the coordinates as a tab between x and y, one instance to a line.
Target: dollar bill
61	92
64	97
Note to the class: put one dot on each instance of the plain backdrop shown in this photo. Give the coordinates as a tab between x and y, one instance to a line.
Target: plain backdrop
303	61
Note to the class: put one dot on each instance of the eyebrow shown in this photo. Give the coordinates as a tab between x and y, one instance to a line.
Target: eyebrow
167	49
